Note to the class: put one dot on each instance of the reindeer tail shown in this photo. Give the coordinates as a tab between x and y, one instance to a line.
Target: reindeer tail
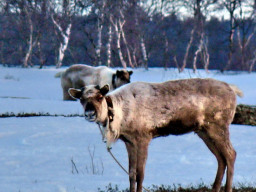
59	74
236	90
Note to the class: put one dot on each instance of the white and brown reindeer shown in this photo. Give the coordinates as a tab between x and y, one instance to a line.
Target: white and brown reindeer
138	112
80	75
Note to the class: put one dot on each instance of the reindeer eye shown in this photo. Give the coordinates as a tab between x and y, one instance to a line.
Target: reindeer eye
99	98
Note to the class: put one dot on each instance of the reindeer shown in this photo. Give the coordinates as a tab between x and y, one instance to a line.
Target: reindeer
138	112
79	75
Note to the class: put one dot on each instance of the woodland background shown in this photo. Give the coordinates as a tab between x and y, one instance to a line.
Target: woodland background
209	34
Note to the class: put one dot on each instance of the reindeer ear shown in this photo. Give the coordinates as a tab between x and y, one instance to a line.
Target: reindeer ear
97	87
119	73
104	90
75	93
130	72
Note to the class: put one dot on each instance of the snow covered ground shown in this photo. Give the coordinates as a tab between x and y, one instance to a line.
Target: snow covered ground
48	154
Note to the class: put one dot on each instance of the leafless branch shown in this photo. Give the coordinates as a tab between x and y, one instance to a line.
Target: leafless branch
74	168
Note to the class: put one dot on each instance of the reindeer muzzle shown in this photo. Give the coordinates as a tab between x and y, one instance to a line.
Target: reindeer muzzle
90	115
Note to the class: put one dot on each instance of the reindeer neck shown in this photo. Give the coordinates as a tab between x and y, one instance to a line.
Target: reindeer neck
110	108
114	81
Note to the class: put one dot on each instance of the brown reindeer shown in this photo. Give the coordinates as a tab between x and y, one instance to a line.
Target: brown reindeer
138	112
79	75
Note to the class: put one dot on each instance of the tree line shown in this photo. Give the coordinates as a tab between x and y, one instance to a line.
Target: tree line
130	33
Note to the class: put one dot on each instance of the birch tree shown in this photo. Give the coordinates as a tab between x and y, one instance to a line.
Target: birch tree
140	35
109	44
199	7
44	10
91	52
184	64
144	52
24	10
64	32
231	6
252	62
243	42
118	25
4	9
245	32
101	14
31	41
125	42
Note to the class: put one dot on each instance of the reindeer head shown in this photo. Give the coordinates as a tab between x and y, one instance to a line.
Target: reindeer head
93	101
122	77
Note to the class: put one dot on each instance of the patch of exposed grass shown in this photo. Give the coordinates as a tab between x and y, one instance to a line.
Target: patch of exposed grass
23	114
178	188
11	97
10	77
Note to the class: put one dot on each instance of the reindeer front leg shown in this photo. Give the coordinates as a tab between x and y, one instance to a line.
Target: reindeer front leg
142	155
132	155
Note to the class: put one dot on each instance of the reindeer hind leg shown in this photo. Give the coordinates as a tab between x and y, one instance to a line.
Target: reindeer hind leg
218	136
66	84
221	161
230	156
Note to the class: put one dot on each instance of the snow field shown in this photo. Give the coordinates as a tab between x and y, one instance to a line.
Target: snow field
41	154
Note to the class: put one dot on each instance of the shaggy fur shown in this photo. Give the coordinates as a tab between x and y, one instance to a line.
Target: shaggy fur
141	111
78	76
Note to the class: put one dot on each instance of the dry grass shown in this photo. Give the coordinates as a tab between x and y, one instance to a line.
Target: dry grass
179	188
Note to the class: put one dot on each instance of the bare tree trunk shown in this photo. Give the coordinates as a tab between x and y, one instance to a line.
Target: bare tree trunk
198	28
199	49
2	50
141	38
202	48
2	47
41	58
118	25
231	36
243	44
109	45
252	65
144	52
134	57
30	41
231	7
127	48
176	63
206	57
252	62
187	50
125	43
99	43
93	56
64	43
196	22
166	51
99	39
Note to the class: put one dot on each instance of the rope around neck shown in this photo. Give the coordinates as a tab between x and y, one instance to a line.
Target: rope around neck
112	155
